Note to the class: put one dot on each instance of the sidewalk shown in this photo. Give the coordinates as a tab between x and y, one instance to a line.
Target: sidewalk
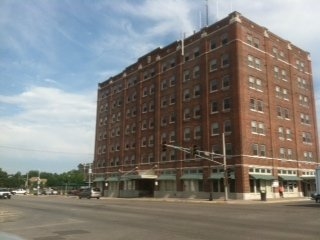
218	201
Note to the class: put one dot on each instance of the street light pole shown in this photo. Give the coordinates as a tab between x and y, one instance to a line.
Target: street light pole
89	172
38	183
225	168
200	154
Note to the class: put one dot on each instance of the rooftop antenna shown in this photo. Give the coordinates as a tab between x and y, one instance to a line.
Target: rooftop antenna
207	13
182	43
217	8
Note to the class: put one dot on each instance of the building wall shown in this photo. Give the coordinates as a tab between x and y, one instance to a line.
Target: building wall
146	105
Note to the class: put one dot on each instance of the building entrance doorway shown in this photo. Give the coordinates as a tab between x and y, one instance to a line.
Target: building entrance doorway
145	187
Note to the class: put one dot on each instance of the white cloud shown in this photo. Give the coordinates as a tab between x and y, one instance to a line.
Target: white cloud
47	120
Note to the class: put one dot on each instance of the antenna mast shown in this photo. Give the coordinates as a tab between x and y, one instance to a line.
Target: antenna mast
217	9
207	13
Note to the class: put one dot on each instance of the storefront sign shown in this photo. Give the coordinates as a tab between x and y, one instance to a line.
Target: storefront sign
275	183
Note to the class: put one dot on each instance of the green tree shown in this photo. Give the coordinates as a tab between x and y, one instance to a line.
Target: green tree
3	178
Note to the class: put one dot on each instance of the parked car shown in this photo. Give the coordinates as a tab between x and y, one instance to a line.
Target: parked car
5	193
89	193
19	191
74	192
54	192
316	197
49	191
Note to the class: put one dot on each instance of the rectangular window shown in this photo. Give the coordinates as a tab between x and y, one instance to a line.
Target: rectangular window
224	39
214	85
172	137
258	150
214	107
261	128
282	153
186	76
249	39
213	65
186	114
197	112
187	134
226	81
227	126
306	137
186	95
288	134
255	149
258	63
256	105
225	60
172	81
256	42
250	61
196	53
276	72
215	128
262	150
196	91
229	149
289	154
213	44
197	132
196	72
172	99
254	128
226	104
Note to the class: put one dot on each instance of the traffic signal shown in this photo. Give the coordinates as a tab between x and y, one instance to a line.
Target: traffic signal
164	147
195	150
229	172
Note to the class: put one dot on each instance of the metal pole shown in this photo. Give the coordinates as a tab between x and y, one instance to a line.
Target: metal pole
225	168
89	172
38	183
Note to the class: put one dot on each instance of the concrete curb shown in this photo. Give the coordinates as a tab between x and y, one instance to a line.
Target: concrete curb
219	201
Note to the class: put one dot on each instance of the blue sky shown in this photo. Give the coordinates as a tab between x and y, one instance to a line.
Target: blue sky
53	54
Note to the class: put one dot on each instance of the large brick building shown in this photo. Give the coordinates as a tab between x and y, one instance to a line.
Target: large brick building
233	78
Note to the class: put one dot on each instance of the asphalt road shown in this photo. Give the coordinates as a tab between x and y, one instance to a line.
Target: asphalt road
64	218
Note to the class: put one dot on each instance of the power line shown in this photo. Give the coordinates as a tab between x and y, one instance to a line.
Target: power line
42	150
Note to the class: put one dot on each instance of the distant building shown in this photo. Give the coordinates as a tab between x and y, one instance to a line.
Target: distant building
232	78
34	181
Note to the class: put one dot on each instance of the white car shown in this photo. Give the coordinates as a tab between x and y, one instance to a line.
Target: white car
90	193
19	192
5	193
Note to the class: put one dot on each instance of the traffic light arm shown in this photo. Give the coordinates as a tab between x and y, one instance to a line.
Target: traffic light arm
187	150
203	155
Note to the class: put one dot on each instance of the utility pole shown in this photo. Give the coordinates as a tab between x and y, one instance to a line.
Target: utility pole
89	173
38	183
201	154
225	168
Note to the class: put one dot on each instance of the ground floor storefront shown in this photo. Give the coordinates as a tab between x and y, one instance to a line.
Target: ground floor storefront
243	183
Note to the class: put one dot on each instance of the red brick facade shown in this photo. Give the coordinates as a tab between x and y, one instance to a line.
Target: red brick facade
234	77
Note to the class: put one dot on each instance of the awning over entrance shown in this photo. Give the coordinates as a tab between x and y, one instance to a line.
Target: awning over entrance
216	176
142	176
195	176
99	179
290	178
220	175
112	179
308	177
167	177
139	174
262	176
